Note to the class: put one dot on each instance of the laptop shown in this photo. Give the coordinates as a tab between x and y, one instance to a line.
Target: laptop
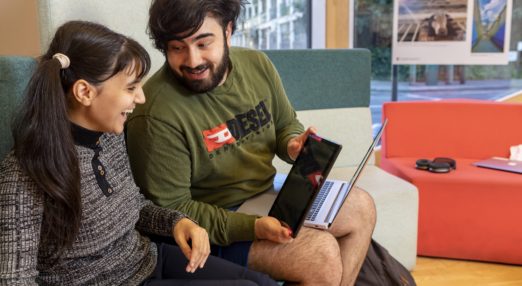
503	164
326	204
304	181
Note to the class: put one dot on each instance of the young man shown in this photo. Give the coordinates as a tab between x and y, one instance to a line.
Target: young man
203	143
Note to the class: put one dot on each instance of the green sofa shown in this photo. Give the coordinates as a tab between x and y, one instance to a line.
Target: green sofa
330	89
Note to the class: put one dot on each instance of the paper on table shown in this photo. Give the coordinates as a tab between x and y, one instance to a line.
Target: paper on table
516	152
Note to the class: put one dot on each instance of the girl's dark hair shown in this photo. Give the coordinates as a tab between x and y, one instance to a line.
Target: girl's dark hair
44	144
178	19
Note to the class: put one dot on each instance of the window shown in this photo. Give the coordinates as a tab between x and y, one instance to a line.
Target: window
372	29
274	24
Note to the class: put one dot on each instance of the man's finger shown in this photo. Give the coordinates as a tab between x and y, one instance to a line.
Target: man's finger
286	235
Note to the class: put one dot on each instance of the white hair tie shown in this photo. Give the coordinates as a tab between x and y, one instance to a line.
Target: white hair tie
63	59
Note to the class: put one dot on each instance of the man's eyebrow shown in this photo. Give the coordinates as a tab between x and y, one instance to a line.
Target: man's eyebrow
204	35
198	37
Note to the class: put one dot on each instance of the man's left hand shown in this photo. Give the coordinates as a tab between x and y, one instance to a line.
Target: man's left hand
296	144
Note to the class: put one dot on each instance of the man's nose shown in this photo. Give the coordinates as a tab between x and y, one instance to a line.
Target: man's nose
193	58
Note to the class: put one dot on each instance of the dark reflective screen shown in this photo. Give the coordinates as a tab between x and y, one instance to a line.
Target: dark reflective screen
304	181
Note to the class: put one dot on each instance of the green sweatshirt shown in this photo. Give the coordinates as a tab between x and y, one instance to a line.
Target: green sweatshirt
203	153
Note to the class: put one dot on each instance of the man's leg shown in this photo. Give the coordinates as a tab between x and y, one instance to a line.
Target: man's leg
353	228
317	257
313	258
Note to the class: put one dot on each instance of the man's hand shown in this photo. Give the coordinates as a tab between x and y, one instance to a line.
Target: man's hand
270	228
184	231
296	144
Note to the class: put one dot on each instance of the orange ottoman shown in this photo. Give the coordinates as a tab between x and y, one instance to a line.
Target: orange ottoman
471	212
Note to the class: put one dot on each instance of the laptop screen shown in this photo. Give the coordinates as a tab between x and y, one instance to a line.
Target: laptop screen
360	168
304	181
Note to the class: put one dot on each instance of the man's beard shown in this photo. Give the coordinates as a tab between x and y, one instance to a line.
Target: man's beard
208	84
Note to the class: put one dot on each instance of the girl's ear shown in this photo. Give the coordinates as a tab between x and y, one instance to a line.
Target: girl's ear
83	92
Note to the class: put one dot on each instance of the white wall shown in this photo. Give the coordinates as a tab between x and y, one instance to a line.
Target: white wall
128	17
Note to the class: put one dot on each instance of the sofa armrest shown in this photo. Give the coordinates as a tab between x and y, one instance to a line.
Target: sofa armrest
396	202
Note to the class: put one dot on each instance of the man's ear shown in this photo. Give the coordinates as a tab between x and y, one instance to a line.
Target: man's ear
228	33
83	92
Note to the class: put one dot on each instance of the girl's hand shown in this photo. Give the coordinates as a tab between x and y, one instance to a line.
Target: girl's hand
186	230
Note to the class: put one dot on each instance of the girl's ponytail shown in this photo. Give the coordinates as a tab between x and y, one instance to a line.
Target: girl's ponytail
45	149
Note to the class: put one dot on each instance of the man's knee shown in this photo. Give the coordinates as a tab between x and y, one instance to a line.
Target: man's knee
365	206
327	247
313	258
327	267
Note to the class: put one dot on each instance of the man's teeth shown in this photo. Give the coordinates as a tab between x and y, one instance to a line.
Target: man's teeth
128	111
198	71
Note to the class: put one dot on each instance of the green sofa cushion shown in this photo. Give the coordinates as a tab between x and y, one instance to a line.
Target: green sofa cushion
325	78
15	73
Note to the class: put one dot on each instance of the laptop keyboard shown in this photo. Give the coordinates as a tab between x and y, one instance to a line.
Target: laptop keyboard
319	200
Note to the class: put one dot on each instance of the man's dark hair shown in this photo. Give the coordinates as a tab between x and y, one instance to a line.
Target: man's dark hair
178	19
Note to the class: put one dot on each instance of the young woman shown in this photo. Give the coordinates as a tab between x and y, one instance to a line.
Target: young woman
69	209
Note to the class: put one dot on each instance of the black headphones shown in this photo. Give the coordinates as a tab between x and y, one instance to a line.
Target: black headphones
438	165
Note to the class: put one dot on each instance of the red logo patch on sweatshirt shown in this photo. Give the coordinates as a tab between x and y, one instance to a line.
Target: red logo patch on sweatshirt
218	136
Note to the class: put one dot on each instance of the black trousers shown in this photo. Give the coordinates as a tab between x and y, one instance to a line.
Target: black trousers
170	270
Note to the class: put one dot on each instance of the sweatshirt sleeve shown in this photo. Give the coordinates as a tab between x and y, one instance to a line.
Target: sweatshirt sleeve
21	213
161	166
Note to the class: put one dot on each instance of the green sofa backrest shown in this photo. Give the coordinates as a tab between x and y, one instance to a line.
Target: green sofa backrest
330	89
324	78
313	79
15	73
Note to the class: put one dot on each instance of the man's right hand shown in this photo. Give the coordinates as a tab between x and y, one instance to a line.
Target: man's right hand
270	228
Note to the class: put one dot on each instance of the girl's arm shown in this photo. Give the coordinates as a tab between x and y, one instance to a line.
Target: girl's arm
21	215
